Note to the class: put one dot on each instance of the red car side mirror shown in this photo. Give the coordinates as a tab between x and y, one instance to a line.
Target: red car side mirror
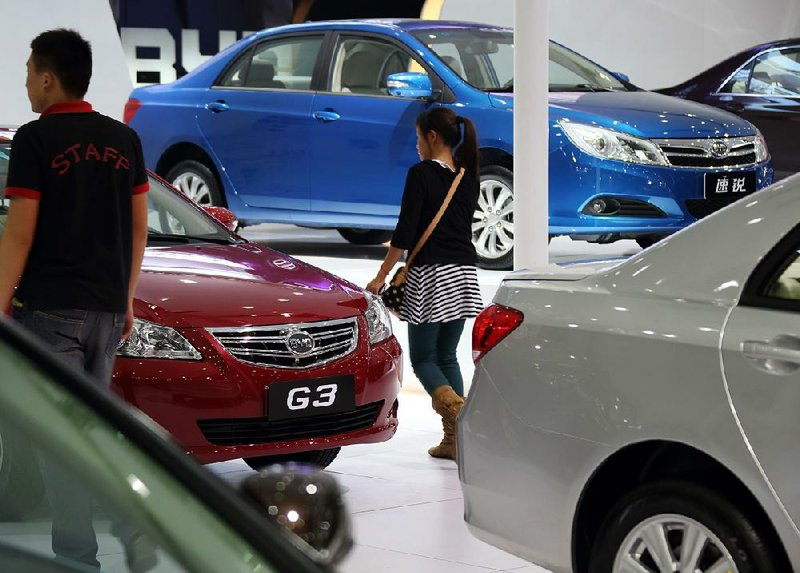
224	216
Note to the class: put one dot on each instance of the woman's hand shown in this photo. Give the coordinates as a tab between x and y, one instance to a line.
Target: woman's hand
376	285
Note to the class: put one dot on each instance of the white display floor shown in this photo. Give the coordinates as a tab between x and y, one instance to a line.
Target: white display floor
407	507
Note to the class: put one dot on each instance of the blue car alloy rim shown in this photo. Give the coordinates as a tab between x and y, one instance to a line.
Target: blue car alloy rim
493	222
194	187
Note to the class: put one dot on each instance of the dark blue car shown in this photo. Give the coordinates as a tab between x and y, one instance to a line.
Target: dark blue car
313	124
762	85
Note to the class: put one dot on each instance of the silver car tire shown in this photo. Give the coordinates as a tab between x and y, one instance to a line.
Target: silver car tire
680	526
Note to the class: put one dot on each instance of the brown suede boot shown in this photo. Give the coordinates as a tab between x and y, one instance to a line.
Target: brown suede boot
447	404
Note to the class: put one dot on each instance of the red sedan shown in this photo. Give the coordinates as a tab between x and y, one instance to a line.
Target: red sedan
243	352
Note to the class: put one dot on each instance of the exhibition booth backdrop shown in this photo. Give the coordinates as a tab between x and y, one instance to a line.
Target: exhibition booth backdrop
657	43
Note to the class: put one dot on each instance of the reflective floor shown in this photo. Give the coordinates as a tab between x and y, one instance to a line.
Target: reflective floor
407	507
359	264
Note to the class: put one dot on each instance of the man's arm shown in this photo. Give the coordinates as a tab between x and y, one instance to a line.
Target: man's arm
15	245
139	220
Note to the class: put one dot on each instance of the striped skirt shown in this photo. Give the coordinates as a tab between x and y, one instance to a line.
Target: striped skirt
441	293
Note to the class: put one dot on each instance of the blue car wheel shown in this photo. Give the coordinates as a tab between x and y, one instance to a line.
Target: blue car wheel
197	182
493	222
365	236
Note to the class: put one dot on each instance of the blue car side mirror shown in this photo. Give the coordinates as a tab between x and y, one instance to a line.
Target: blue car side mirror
410	84
622	77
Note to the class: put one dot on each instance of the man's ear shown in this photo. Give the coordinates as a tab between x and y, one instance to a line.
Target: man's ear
48	80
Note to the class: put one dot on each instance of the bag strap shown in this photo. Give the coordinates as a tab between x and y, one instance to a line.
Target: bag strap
429	231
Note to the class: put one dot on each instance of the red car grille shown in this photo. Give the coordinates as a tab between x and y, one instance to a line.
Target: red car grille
269	345
242	431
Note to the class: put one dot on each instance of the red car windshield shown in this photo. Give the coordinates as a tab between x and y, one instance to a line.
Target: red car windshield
170	217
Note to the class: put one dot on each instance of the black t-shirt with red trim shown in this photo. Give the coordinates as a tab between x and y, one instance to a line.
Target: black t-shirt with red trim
83	168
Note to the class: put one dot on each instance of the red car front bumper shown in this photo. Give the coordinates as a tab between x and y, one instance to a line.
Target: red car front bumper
216	408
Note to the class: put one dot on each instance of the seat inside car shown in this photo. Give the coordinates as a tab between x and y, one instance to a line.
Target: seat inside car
453	64
361	70
262	75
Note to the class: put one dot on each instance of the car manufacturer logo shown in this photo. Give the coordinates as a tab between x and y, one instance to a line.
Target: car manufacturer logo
299	342
719	148
284	264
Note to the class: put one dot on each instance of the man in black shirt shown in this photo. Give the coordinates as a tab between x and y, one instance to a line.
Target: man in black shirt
73	242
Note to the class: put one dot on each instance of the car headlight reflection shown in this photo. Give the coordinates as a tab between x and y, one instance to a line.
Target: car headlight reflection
379	323
762	153
148	340
609	144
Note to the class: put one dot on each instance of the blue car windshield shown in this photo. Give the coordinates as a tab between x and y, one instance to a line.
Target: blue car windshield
485	60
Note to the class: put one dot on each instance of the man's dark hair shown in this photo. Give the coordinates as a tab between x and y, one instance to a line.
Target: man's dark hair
65	54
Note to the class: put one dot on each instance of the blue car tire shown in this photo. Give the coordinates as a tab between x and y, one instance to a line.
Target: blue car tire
196	181
365	236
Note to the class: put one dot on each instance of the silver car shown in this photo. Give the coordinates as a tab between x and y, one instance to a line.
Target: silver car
645	417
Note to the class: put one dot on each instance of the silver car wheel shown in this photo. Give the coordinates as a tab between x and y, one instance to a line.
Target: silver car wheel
493	221
194	187
673	544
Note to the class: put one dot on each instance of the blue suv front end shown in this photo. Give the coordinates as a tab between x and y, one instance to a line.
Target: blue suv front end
624	163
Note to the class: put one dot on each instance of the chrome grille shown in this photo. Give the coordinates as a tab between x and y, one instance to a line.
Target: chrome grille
268	345
697	153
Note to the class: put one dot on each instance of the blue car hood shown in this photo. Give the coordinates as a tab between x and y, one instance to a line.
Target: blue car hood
643	114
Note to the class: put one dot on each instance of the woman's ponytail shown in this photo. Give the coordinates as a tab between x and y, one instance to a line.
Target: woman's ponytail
466	154
456	131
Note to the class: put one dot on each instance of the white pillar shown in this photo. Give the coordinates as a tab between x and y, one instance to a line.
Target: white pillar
531	82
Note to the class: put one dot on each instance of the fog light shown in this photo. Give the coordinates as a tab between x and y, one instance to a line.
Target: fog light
602	207
597	207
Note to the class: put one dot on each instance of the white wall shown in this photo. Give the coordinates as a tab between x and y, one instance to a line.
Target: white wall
658	43
23	20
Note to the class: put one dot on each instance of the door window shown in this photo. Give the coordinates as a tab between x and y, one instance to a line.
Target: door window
776	72
787	285
283	64
739	81
362	65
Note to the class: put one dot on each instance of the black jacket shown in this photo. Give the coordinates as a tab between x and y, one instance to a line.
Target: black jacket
427	184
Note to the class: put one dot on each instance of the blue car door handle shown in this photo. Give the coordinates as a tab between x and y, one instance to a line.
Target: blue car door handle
326	116
217	106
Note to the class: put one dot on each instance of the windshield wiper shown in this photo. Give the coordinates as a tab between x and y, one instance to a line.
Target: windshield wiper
581	87
166	237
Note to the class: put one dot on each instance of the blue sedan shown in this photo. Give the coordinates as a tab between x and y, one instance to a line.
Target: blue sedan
313	124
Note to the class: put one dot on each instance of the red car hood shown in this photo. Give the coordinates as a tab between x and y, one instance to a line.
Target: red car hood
238	285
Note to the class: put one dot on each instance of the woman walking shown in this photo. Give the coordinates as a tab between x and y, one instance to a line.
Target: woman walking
442	285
